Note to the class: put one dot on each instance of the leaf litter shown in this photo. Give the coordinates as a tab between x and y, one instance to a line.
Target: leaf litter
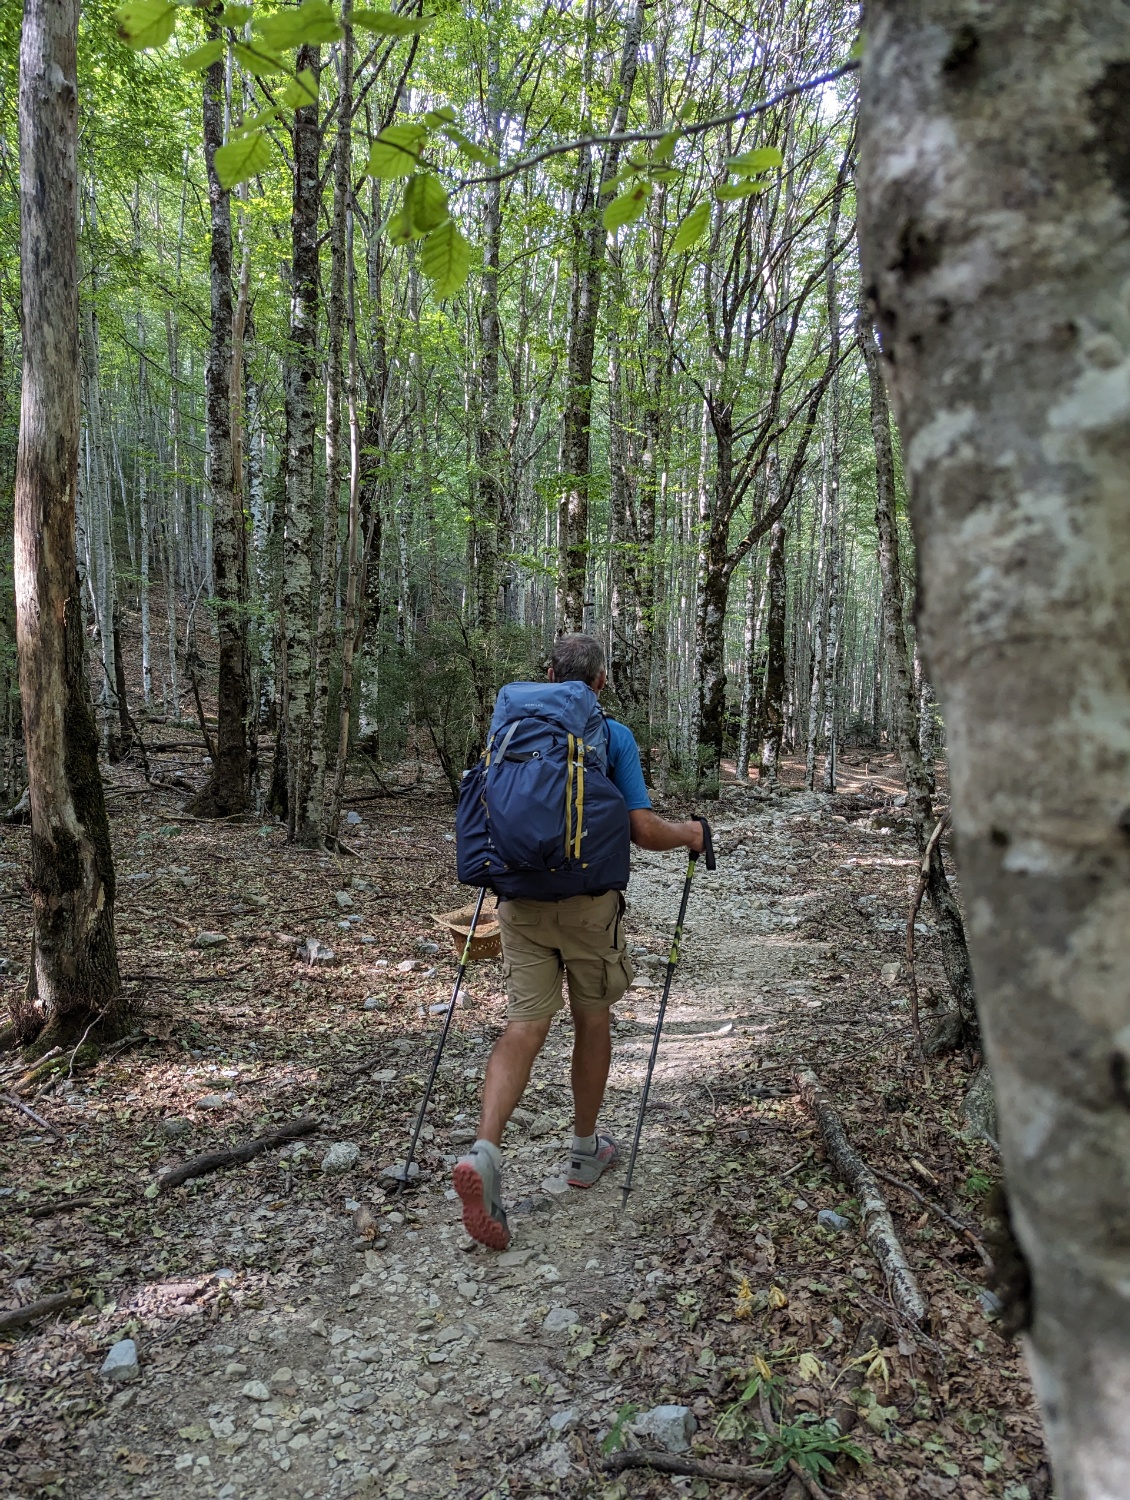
291	1344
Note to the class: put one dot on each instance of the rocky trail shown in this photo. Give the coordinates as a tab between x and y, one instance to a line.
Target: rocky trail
280	1354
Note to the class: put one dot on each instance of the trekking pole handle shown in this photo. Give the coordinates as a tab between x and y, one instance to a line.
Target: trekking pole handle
707	844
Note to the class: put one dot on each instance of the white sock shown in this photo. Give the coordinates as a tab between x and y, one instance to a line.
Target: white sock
491	1150
585	1145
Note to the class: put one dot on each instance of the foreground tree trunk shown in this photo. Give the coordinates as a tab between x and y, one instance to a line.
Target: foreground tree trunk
228	789
74	976
994	197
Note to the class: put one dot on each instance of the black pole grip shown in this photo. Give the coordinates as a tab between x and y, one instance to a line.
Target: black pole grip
707	843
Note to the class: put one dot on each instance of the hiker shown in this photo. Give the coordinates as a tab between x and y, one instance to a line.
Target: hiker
558	921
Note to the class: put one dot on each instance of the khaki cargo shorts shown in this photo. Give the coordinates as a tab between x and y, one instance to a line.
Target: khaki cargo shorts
543	941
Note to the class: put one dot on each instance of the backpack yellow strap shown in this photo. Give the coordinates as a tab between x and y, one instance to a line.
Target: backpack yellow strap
580	804
569	760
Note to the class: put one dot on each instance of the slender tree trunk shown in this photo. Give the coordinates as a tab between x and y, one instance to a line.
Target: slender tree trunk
143	528
489	451
769	771
589	242
919	800
74	974
331	507
228	788
300	375
1019	474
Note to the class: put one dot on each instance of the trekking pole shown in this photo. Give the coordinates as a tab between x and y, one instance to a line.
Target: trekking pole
672	960
402	1182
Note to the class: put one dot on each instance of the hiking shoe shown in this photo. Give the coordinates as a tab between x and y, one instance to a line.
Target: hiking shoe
585	1168
477	1182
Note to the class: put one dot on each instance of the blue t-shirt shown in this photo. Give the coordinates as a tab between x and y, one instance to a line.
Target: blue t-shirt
624	769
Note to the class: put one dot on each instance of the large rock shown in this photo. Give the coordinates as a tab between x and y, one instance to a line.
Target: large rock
671	1427
558	1319
121	1362
315	952
341	1157
210	940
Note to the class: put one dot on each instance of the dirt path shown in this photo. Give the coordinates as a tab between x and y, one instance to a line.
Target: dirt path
428	1366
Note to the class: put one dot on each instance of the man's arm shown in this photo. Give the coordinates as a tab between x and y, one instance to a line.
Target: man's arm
649	831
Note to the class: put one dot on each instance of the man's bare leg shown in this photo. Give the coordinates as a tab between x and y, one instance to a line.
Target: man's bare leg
592	1057
508	1073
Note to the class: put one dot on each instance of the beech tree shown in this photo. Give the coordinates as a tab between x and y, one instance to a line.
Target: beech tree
994	202
74	973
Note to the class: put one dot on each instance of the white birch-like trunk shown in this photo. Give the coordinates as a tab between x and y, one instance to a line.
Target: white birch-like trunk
994	192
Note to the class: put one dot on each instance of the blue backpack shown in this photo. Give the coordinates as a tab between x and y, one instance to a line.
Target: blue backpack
538	817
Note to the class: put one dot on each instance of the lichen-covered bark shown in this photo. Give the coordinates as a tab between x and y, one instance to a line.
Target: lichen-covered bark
74	975
994	197
298	539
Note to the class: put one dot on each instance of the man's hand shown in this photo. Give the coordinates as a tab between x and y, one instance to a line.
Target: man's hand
649	831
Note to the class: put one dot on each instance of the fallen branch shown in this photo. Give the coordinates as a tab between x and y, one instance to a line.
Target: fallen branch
212	1161
17	1317
26	1109
671	1463
877	1226
815	1490
935	1208
60	1206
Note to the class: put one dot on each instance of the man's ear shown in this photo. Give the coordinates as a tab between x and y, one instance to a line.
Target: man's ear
549	677
600	683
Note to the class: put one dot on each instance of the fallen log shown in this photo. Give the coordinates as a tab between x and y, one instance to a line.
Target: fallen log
673	1463
17	1317
878	1228
212	1161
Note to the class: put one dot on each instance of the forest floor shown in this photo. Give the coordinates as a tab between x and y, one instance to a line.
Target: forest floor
281	1357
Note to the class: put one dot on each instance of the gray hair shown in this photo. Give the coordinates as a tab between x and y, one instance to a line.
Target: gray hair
577	658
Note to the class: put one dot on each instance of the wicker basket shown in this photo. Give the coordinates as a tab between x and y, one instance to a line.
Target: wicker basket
487	942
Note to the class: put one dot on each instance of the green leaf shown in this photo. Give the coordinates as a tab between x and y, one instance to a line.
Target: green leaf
257	60
301	90
202	57
242	158
467	147
731	190
399	229
425	202
627	208
764	159
692	228
251	123
664	149
387	23
235	15
444	115
145	23
152	1190
396	151
445	259
312	22
666	174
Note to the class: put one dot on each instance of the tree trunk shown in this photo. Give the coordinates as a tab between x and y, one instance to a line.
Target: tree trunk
1002	319
74	975
919	798
229	786
299	379
589	247
775	659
